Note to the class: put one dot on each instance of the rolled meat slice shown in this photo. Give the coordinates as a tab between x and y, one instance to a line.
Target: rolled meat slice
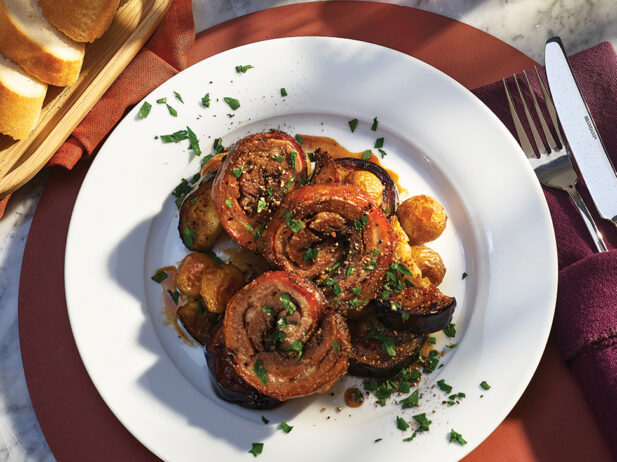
283	339
253	179
378	351
227	384
364	174
337	237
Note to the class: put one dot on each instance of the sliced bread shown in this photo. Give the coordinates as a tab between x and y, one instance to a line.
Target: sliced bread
82	20
21	99
29	39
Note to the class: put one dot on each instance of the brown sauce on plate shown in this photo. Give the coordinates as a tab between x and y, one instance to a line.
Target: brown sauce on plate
169	305
354	397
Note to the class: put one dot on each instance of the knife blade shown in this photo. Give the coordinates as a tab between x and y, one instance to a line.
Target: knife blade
581	131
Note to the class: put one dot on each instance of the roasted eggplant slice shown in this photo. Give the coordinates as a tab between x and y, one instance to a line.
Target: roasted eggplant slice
421	310
335	236
253	179
197	320
199	223
378	351
227	384
283	339
365	175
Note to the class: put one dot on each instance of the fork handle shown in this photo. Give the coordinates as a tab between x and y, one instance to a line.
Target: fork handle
591	225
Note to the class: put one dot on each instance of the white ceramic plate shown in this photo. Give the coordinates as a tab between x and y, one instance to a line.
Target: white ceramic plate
439	138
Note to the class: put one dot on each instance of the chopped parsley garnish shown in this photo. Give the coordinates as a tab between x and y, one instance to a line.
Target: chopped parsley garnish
285	426
336	289
206	100
350	271
431	362
206	159
296	225
431	340
159	277
410	401
228	203
404	314
450	331
401	424
281	323
188	236
259	231
289	306
375	124
174	296
215	257
181	191
261	204
367	154
356	291
270	191
172	111
372	264
239	171
277	336
292	159
423	422
353	124
218	146
443	386
387	343
279	158
299	139
233	103
243	69
256	449
333	267
175	137
485	385
361	223
452	345
378	440
457	437
464	276
193	142
264	420
178	97
383	153
335	347
144	110
249	227
311	156
379	143
283	92
311	254
297	347
260	371
267	310
195	178
161	100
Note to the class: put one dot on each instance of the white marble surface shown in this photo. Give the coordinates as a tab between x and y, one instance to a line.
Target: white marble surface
524	24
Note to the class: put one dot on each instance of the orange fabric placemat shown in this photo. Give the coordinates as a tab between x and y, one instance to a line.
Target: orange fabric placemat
551	422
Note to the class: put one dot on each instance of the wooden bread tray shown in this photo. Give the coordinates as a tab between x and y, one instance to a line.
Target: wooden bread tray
64	108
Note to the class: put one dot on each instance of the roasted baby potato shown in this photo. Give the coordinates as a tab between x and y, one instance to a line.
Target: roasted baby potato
199	223
218	285
190	271
422	218
429	262
197	320
402	254
367	182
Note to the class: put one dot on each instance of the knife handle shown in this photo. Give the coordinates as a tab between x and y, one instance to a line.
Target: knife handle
591	226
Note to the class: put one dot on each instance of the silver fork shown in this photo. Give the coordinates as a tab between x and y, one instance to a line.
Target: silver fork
554	167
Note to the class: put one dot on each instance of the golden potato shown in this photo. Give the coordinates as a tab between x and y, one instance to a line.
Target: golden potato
199	223
403	254
251	264
218	285
368	182
429	262
423	218
190	271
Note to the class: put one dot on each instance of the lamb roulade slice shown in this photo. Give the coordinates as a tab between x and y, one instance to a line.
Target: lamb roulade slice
283	339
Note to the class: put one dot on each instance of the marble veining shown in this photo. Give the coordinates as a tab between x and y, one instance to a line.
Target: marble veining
524	24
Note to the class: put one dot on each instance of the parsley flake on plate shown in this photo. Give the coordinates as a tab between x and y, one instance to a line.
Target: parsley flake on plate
159	277
178	97
283	92
243	69
285	427
256	449
457	438
144	110
172	111
206	100
353	124
233	103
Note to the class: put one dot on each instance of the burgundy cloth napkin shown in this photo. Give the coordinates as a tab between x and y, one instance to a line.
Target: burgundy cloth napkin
586	314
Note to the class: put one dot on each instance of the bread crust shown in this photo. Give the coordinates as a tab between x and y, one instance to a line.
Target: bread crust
33	57
18	113
83	21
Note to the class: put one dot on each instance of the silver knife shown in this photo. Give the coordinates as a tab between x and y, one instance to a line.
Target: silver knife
580	130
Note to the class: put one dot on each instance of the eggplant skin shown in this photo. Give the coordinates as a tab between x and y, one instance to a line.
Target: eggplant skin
427	309
226	382
369	358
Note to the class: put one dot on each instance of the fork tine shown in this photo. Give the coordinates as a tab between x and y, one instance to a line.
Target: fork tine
534	131
545	129
520	131
549	105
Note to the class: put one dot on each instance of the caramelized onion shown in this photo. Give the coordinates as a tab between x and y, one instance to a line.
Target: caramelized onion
335	236
378	351
342	170
283	340
253	179
227	384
